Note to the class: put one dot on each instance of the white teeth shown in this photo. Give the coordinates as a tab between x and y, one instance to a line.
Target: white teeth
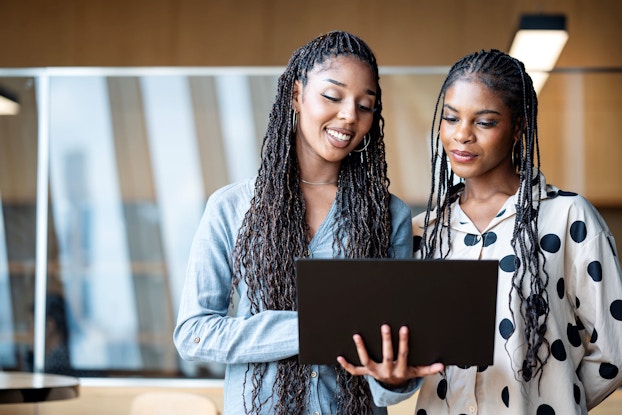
339	136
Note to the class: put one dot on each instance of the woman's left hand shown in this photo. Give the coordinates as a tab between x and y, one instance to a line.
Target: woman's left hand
390	371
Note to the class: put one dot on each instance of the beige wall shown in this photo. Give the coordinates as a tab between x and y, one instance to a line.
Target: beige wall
265	32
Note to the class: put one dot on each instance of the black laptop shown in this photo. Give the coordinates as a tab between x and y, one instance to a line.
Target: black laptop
448	305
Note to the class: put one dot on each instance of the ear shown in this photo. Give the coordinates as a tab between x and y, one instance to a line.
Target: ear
297	95
519	126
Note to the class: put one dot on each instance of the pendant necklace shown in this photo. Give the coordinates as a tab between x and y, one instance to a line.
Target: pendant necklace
317	183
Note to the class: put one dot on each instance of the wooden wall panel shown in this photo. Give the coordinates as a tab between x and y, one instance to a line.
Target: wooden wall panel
265	32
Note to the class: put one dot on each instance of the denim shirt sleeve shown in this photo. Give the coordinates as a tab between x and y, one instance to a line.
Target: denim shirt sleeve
209	328
402	234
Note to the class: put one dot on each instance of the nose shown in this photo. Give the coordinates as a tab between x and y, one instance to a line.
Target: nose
463	133
347	112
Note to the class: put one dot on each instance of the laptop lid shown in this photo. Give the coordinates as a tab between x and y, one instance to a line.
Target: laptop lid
448	305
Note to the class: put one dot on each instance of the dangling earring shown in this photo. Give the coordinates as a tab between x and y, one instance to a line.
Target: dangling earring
294	121
516	157
366	141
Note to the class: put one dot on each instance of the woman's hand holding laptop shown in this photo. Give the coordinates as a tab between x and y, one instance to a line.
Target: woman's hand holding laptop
390	371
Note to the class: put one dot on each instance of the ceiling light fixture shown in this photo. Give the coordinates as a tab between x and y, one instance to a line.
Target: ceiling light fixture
8	104
538	43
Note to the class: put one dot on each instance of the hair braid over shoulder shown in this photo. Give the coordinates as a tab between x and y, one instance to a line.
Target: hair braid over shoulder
505	76
274	230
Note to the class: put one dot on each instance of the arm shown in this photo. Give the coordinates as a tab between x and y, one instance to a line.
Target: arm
600	312
208	327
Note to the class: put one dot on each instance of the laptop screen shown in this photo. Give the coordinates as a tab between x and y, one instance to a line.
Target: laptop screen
448	305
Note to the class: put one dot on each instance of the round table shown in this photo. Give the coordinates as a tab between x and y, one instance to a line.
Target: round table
25	387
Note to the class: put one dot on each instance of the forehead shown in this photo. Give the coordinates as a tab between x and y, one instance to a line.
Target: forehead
344	67
472	93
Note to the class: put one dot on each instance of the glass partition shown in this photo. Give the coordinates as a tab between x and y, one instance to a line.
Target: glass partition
133	154
18	190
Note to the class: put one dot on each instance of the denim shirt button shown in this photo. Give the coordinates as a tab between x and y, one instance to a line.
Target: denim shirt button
197	339
314	374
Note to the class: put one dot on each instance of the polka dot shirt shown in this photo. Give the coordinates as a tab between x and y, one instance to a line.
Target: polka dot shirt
584	327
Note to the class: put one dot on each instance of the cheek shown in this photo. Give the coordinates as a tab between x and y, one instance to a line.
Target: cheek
445	134
366	122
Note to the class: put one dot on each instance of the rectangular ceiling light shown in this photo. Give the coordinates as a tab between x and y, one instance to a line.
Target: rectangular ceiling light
8	104
538	43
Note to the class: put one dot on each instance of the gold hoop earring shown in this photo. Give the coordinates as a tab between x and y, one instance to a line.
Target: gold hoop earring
366	141
516	154
294	121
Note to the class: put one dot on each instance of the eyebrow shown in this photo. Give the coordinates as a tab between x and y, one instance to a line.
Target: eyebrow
341	84
484	111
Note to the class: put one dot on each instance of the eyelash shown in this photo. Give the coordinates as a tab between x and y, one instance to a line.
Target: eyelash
485	124
361	107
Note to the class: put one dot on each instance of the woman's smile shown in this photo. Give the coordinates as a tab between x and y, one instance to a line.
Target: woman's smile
463	156
339	139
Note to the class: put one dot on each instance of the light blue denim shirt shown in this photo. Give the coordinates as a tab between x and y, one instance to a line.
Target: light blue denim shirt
211	329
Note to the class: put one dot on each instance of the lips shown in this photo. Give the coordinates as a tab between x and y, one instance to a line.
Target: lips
463	156
339	136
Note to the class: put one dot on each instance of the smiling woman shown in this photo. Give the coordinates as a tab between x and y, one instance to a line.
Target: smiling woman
321	191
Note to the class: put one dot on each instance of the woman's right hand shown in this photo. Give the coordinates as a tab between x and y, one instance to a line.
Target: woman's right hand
390	371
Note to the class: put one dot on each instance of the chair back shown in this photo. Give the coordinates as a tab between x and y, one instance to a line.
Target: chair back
172	403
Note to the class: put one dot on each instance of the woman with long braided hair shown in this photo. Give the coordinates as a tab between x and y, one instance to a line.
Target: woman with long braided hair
321	191
558	343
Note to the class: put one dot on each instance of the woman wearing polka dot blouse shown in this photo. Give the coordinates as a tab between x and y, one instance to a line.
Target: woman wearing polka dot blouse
558	346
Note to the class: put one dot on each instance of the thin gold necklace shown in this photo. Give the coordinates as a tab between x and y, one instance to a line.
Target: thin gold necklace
316	183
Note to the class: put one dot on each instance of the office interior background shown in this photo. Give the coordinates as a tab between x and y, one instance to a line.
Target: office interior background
132	112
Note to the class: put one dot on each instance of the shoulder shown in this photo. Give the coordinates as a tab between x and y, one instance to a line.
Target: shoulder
571	211
399	207
229	203
234	193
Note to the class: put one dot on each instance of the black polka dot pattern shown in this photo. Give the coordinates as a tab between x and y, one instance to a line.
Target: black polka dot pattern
550	243
489	238
573	335
506	328
558	350
583	296
416	243
595	270
505	397
616	309
545	409
507	263
580	325
441	389
594	337
561	288
578	231
608	371
471	239
576	390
